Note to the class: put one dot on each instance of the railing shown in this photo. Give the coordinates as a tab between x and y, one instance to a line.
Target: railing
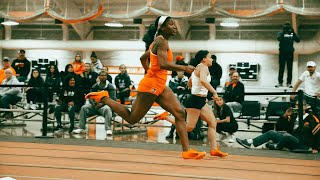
45	105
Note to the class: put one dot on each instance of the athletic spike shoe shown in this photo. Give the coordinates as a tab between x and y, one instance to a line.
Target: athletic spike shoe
161	116
97	96
193	154
217	152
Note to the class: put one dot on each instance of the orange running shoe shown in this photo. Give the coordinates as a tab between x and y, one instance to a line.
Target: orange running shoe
217	152
161	116
97	96
193	154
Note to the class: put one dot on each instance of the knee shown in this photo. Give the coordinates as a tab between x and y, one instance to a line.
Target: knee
179	114
272	132
212	124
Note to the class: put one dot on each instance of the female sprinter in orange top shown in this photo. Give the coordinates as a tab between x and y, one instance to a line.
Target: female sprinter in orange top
152	87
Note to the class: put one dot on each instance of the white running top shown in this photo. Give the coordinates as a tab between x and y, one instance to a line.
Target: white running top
197	87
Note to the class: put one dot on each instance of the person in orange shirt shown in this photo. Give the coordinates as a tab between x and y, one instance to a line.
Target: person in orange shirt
6	65
78	65
152	87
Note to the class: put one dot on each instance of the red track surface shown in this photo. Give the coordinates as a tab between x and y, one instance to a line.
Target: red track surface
53	161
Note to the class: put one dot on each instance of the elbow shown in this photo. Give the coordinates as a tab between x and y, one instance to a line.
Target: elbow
203	82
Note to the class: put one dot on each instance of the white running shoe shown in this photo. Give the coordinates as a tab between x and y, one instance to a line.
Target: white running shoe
230	138
79	131
27	106
109	132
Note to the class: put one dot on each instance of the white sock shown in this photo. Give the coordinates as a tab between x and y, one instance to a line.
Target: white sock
250	141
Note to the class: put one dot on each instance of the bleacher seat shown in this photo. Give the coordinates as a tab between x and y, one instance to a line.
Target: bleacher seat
276	109
250	109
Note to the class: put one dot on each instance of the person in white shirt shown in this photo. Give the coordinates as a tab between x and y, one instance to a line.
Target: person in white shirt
9	95
311	79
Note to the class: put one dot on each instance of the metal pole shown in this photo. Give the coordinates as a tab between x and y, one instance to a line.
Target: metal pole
300	111
45	113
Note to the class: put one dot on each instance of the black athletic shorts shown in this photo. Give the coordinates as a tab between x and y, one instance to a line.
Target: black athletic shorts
196	102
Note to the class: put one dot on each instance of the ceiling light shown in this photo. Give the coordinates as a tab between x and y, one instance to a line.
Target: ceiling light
229	24
114	24
9	23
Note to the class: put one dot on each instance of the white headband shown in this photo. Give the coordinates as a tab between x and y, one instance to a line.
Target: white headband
160	22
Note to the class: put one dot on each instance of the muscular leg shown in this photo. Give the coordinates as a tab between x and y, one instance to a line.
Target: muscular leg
168	101
140	107
207	115
192	118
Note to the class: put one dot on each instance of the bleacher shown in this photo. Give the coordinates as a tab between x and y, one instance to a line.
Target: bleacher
257	110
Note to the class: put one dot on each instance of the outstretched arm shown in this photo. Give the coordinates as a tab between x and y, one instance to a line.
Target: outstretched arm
295	87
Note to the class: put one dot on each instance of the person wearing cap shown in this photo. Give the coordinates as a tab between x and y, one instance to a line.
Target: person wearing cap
6	64
286	38
22	66
97	65
180	61
311	79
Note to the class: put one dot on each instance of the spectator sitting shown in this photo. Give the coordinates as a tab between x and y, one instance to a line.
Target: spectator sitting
97	65
106	69
179	84
22	66
88	78
78	65
53	81
71	100
6	65
35	92
232	69
9	95
123	82
283	139
69	71
180	61
225	120
94	108
234	94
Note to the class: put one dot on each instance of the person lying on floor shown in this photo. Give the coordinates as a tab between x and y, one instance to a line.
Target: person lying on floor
302	139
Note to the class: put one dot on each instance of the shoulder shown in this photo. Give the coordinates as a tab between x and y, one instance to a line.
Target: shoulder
240	84
202	67
160	41
304	74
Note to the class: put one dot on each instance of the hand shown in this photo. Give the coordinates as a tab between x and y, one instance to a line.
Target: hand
71	103
189	69
288	113
99	105
215	97
17	75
